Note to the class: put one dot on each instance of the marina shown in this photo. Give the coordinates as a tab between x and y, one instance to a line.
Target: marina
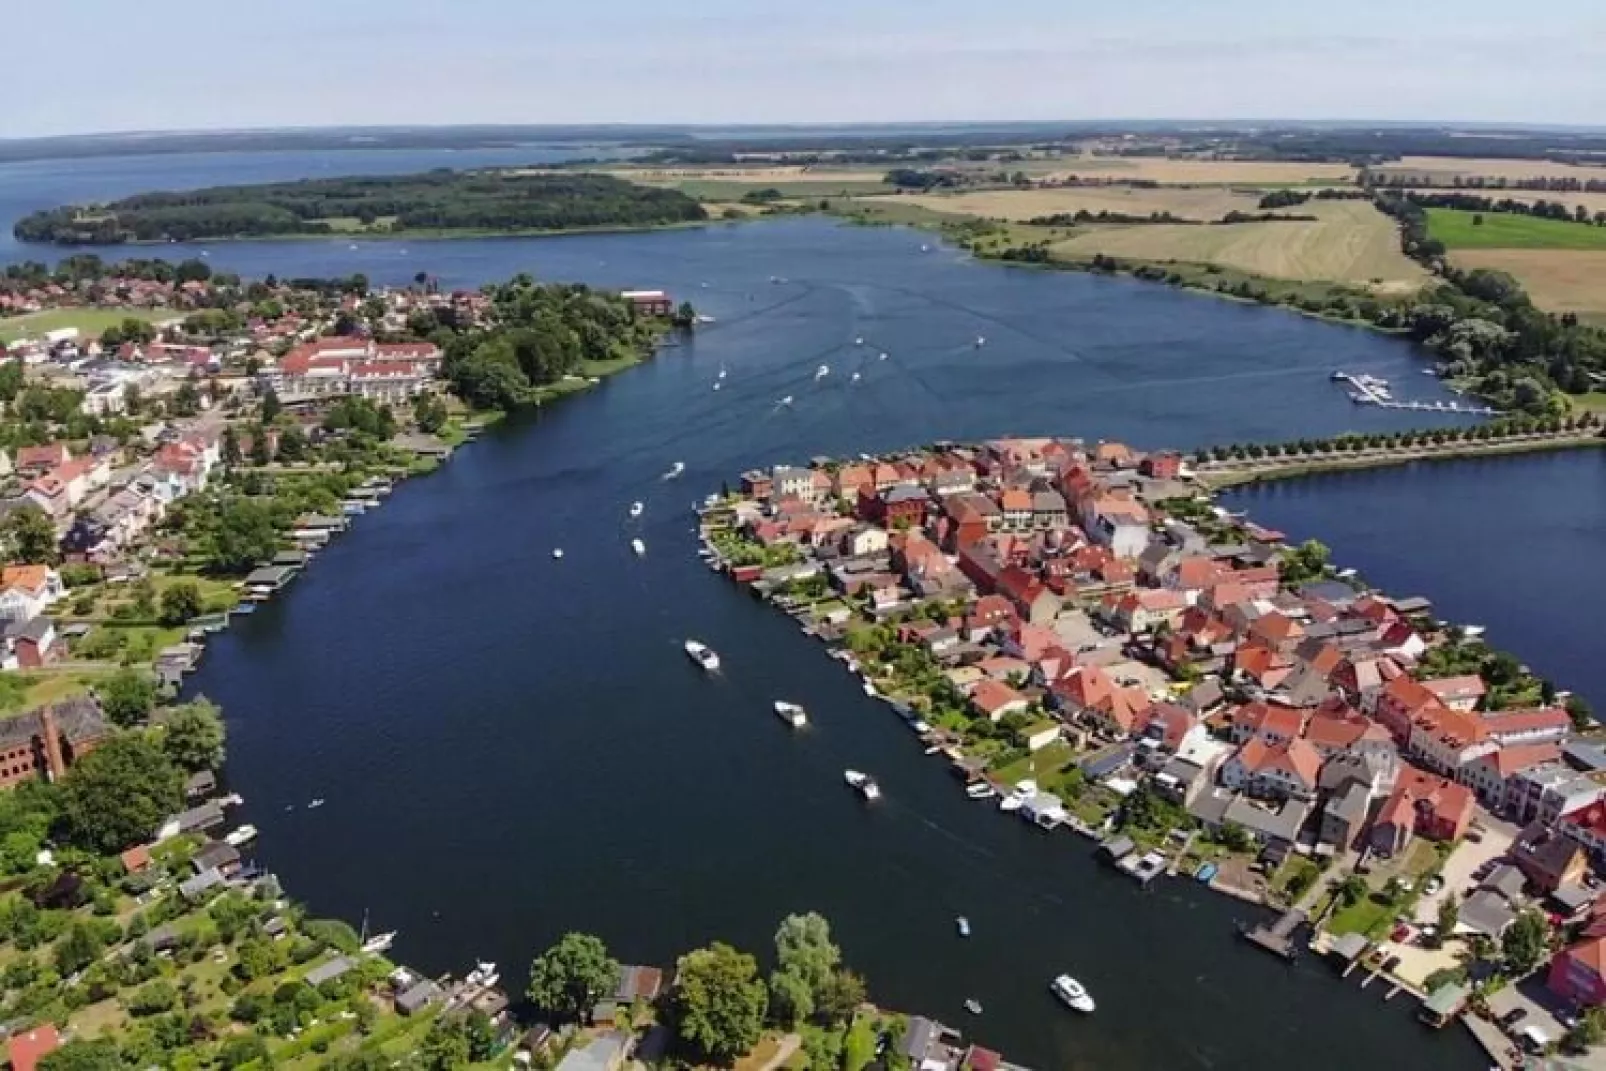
1372	390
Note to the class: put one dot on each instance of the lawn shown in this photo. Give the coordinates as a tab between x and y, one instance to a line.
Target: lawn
90	322
1039	766
1367	915
1506	230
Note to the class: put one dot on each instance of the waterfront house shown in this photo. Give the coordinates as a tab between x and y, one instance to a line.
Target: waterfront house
1458	693
416	997
1398	703
1278	771
200	886
47	741
607	1051
329	971
1421	804
995	699
1193	768
268	579
1508	727
1445	740
1344	817
1040	734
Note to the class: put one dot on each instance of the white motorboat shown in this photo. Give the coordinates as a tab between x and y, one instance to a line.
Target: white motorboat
638	546
854	378
722	373
636	508
785	401
1472	632
822	371
791	713
963	925
483	974
981	790
869	689
557	552
981	340
1010	803
315	804
925	248
703	655
973	1006
244	835
675	470
864	783
882	356
379	942
859	341
1072	993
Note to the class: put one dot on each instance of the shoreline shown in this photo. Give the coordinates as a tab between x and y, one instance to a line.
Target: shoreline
459	234
1218	476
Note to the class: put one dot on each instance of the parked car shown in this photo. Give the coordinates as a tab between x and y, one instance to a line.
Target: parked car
1435	883
1513	1017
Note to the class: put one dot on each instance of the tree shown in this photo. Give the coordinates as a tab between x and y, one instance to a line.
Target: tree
791	999
1449	915
1589	1031
292	444
719	1003
98	1055
242	1049
1352	889
481	1036
271	406
187	399
837	1000
570	977
446	1046
1525	942
1579	710
30	536
78	948
193	735
117	794
232	455
803	947
261	454
180	602
245	535
127	697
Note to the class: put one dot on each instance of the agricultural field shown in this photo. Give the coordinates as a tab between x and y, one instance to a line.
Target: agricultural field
1591	202
731	183
90	322
1186	202
1504	230
1450	170
1196	172
1558	280
1350	242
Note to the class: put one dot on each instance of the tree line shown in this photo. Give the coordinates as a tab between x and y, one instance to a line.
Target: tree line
1493	431
1541	209
435	200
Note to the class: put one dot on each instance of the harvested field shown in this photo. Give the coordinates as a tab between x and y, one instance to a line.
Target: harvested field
1446	170
1352	242
1195	172
1196	202
758	176
1559	280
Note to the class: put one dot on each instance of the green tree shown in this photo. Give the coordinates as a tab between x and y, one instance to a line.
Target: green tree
1578	708
30	536
116	795
232	455
1352	889
1449	915
242	1049
1587	1032
719	1003
193	735
292	444
260	452
127	697
271	406
78	948
481	1036
791	999
837	1000
446	1046
803	947
180	602
569	978
1524	942
245	535
98	1055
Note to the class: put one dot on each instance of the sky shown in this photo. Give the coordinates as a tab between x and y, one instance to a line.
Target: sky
233	64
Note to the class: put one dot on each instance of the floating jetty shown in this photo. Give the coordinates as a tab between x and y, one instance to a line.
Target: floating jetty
1278	937
1368	390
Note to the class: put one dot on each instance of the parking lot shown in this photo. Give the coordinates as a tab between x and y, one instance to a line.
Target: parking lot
1468	857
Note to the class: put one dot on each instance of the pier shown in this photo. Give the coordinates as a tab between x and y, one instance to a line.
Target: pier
1278	937
1367	391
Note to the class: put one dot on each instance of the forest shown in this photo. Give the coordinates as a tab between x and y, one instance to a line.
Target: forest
431	201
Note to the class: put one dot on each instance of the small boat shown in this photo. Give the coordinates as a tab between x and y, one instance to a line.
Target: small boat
864	783
822	371
703	655
1072	994
639	547
973	1006
557	552
981	790
1205	873
785	401
859	341
703	318
379	942
1011	803
718	385
245	608
925	248
315	803
791	713
882	356
675	470
869	689
981	340
963	925
244	835
722	373
1338	376
636	508
1472	632
483	974
853	378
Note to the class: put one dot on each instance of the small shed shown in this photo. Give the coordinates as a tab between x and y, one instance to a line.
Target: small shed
1349	947
328	972
1444	1004
417	997
1117	848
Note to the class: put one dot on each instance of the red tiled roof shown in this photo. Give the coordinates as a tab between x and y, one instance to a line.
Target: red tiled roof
26	1050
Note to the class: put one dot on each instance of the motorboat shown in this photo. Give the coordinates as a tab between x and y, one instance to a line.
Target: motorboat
869	689
675	470
557	552
981	340
973	1006
379	942
1206	873
244	835
854	378
822	371
864	783
962	924
1472	632
315	804
791	713
859	341
483	974
785	401
703	655
882	355
636	508
1072	994
718	385
981	790
722	373
638	546
925	248
1011	803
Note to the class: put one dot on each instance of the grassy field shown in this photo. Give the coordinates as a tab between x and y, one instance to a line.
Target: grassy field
1185	202
1191	171
1498	230
1448	170
1559	280
1351	242
731	183
88	321
717	190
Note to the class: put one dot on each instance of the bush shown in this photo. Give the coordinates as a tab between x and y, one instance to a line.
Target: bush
153	998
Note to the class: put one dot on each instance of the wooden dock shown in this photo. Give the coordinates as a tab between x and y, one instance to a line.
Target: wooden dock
1278	937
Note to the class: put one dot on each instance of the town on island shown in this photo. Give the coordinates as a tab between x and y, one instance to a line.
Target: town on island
1079	630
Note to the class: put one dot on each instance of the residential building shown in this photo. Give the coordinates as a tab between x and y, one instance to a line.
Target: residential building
45	742
26	591
1280	771
1578	973
1421	804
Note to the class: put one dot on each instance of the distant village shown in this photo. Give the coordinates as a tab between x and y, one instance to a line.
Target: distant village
1094	644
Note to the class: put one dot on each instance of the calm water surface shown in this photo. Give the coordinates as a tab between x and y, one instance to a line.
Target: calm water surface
513	747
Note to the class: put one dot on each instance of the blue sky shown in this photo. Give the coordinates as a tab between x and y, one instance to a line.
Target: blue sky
203	64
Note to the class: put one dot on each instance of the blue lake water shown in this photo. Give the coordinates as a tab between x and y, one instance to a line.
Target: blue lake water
513	747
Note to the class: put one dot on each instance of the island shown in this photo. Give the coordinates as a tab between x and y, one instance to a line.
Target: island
434	202
1091	643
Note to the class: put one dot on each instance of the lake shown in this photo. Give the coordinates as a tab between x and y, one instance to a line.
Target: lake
511	747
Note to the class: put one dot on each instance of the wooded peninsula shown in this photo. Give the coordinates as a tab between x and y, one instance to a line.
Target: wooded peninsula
487	201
